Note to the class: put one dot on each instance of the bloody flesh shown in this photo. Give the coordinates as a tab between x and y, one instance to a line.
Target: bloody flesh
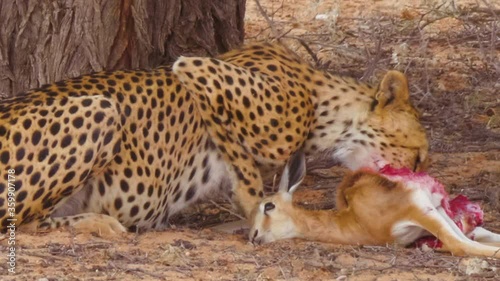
466	214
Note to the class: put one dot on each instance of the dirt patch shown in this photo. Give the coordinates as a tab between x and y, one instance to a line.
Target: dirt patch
191	251
450	52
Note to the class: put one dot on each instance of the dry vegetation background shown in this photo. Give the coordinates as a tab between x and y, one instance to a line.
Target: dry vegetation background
450	51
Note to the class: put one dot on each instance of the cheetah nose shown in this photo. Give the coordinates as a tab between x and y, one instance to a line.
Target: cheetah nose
254	240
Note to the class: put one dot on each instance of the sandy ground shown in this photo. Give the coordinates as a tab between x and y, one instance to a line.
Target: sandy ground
194	252
452	61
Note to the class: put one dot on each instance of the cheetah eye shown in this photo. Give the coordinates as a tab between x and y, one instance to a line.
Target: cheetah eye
268	207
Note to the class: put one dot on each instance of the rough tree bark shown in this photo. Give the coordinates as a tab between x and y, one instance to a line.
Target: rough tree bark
42	41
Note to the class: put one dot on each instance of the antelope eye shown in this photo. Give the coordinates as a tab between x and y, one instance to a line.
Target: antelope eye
268	206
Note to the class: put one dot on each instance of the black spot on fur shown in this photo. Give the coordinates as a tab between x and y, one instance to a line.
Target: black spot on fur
69	176
118	203
124	186
54	129
190	193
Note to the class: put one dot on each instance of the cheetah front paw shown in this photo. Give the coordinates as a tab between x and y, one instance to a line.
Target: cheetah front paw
102	225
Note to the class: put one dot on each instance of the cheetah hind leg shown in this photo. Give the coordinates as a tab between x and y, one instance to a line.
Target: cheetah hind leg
102	225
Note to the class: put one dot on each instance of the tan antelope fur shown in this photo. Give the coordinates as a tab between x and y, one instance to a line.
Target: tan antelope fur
372	210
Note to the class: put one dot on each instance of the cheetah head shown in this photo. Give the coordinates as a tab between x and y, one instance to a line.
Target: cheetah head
401	139
385	129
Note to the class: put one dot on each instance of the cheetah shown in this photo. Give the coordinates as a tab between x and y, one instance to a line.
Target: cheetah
125	150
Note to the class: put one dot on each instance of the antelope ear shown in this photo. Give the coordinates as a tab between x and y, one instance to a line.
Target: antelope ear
294	172
392	89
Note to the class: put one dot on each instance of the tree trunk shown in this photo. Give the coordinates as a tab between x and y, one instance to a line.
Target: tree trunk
43	41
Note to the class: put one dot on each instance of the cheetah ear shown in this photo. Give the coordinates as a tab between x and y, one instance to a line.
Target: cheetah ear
294	172
393	88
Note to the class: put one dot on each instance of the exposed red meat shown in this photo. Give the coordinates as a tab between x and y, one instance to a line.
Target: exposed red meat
466	214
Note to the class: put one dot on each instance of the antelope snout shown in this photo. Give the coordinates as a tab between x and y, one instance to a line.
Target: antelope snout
253	236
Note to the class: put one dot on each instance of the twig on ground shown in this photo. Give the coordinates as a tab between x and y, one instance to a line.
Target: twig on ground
373	61
279	8
282	272
45	257
135	270
227	210
268	20
309	51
